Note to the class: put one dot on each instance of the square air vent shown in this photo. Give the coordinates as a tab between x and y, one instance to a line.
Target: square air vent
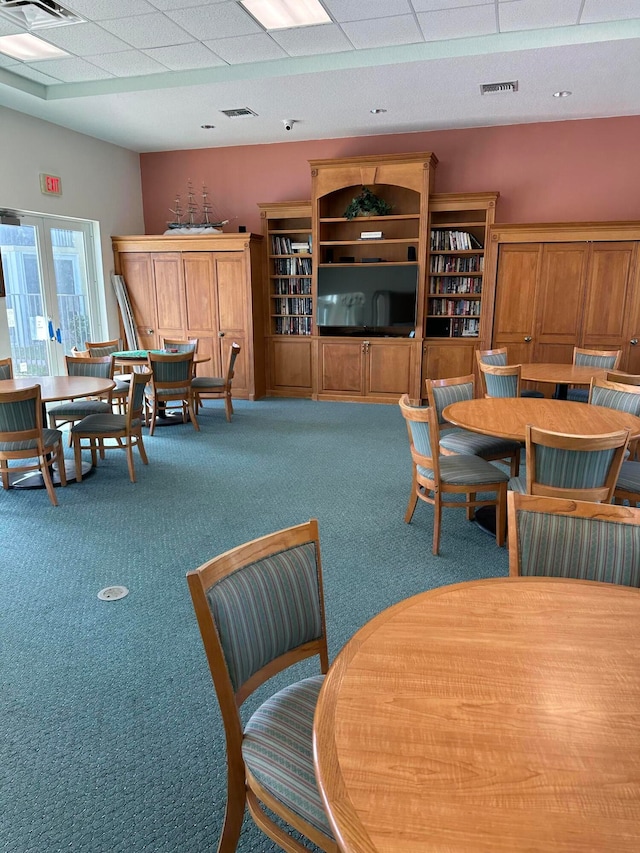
496	88
37	14
238	113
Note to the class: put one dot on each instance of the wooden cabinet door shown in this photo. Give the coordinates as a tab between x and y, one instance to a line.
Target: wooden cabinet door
169	294
231	297
137	271
631	352
201	319
560	301
514	320
390	369
442	361
341	368
608	297
290	366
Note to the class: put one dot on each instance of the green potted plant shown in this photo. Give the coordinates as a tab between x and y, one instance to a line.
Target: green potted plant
367	203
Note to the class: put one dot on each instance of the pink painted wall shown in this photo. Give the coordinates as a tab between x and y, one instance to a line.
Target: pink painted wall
552	172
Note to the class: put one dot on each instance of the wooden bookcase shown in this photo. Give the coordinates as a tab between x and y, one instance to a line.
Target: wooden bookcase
455	310
289	298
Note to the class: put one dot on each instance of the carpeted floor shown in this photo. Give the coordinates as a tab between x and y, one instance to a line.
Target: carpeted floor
111	740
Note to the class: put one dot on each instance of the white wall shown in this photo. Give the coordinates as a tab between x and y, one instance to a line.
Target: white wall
100	181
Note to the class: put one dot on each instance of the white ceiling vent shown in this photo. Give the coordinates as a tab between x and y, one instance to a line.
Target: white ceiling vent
37	14
495	88
238	113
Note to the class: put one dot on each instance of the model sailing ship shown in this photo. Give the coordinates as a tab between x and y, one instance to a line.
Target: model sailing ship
197	218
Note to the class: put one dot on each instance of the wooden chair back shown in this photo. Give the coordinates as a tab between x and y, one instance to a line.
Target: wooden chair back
443	392
171	377
623	378
6	368
260	609
501	380
180	344
101	348
615	395
575	467
99	366
496	357
555	537
609	359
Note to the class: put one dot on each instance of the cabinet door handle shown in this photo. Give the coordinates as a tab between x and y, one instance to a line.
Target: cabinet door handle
633	342
221	334
149	331
527	339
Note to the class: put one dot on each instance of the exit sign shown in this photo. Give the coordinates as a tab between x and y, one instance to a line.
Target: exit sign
50	184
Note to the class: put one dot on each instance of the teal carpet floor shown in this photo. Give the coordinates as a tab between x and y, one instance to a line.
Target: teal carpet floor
109	727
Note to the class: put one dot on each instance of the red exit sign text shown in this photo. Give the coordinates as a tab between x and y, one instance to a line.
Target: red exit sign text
50	184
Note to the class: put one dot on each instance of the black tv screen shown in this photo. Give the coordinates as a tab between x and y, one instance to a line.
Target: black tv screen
380	299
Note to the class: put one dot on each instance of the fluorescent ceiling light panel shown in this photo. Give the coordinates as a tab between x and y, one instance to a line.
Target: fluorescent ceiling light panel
283	14
29	48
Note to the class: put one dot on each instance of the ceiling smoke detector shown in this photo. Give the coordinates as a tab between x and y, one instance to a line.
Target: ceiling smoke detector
38	14
497	88
239	112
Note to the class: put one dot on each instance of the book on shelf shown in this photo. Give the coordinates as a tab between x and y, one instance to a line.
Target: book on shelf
445	240
299	247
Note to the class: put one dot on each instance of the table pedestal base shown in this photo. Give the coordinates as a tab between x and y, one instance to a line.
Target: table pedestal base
34	479
485	518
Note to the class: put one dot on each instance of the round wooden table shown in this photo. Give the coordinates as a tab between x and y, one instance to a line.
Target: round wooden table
53	389
495	716
562	375
507	417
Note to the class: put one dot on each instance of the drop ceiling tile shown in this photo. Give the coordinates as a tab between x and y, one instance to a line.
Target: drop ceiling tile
438	5
458	23
360	10
254	48
72	70
380	32
537	14
181	57
22	70
8	28
307	41
130	63
144	31
84	39
101	10
218	20
609	10
165	5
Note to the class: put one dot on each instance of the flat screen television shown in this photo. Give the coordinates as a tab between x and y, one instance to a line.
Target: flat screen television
367	300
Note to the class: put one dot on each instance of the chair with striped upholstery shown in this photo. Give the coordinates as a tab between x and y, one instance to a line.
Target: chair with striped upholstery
121	377
24	440
260	609
443	392
180	344
218	386
553	537
575	467
171	375
125	429
609	359
6	368
611	394
435	475
501	381
499	358
72	411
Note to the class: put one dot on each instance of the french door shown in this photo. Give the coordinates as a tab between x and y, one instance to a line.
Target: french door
52	305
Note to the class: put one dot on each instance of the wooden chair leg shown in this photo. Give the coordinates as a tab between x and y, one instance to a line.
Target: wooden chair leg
501	515
94	452
152	421
437	521
471	511
413	499
228	407
129	452
234	814
192	414
46	476
141	449
62	471
4	469
515	464
77	456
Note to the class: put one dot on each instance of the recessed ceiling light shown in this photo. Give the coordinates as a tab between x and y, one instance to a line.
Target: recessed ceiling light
29	48
377	110
282	14
563	94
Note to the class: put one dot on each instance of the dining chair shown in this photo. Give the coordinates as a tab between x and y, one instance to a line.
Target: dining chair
24	438
501	380
71	411
555	537
6	368
171	376
212	387
435	475
576	467
609	359
180	344
101	348
125	429
616	395
443	392
260	609
498	357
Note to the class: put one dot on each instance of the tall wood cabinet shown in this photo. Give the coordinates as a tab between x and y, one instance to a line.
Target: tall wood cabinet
563	285
204	286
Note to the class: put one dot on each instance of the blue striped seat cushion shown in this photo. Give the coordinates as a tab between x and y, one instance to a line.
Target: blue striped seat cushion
278	750
465	471
50	437
629	479
464	441
80	408
578	395
103	423
531	393
208	382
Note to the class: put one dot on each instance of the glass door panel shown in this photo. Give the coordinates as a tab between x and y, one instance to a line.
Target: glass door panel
70	272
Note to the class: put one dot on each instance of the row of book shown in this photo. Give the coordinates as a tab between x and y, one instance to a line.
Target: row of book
292	286
453	263
292	266
455	284
465	328
294	305
456	241
281	245
293	325
453	307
